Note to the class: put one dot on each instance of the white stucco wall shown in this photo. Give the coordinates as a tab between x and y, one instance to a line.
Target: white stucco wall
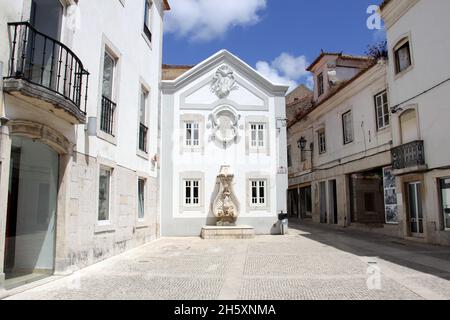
428	28
250	101
358	98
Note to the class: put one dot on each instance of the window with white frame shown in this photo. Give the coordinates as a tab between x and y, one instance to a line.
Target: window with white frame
148	19
108	106
192	192
104	194
347	125
141	198
382	110
192	134
257	135
402	54
322	143
320	85
258	191
143	128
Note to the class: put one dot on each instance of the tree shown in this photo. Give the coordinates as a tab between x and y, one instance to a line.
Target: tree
378	50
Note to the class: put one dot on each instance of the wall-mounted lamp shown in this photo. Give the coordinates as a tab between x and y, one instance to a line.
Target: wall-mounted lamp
91	127
302	145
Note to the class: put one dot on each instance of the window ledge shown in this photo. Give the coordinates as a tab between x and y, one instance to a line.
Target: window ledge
107	137
142	224
142	154
383	129
104	227
402	73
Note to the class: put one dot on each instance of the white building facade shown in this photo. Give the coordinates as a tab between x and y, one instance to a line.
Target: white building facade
418	35
339	148
222	113
79	132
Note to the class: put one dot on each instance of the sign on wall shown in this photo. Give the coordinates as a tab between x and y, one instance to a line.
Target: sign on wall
390	196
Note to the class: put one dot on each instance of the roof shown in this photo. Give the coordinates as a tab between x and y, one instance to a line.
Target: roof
384	4
339	55
166	5
171	71
216	59
335	92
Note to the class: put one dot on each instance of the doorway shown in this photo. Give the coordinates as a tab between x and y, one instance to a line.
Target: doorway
293	202
31	212
323	202
415	213
44	55
305	203
333	201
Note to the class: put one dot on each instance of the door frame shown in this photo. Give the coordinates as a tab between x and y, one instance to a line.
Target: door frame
409	218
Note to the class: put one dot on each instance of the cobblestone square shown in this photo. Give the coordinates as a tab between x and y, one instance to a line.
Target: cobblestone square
312	262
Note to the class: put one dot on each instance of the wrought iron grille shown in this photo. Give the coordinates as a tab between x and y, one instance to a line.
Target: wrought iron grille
408	155
107	116
44	61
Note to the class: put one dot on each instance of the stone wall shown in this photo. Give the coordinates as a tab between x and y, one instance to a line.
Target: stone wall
86	242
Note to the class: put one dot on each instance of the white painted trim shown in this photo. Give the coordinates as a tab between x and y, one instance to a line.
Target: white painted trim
216	59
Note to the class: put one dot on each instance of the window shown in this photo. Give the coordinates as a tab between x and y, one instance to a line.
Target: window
322	142
258	192
192	134
320	85
108	106
104	194
148	19
141	198
445	199
143	129
382	110
289	156
191	192
402	57
257	135
347	125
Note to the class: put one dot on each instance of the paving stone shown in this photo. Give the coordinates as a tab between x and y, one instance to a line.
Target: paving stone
309	263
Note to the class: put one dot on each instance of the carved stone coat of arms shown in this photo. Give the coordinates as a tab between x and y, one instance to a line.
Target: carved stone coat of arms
223	82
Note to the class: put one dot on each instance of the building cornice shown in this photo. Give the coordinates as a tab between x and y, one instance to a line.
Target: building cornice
359	83
392	11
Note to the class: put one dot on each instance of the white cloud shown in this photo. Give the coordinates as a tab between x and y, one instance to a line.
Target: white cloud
204	20
287	70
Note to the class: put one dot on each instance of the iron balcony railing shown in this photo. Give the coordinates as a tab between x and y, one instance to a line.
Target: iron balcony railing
44	61
143	137
107	116
408	155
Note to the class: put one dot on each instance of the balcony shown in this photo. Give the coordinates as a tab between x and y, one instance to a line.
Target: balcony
409	158
46	73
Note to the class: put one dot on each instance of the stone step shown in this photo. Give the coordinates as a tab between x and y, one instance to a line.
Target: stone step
231	232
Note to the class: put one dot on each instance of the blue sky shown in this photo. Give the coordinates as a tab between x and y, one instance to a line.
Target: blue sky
268	34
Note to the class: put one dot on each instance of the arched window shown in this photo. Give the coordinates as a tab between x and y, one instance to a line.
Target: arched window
402	55
408	125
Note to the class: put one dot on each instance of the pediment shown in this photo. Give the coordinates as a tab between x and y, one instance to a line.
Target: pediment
252	85
206	94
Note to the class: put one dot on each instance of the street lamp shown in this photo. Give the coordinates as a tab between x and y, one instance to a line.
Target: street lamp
302	144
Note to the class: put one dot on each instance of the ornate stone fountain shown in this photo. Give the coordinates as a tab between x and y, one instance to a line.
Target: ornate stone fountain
225	207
